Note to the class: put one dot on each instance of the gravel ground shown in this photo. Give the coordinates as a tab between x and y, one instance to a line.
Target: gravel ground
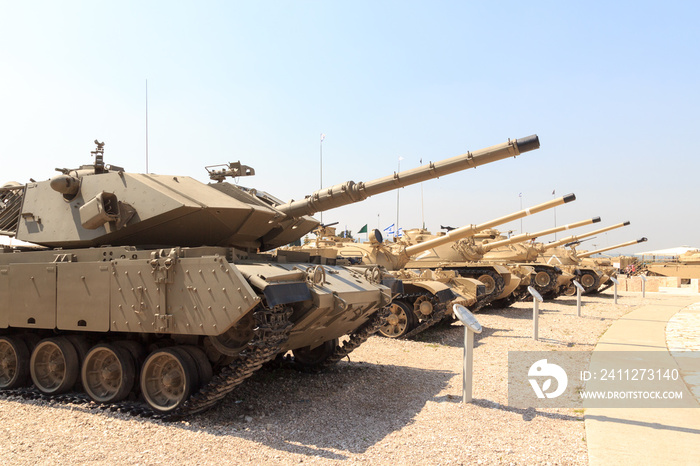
394	402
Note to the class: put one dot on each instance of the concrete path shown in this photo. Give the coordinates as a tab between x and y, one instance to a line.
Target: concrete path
651	435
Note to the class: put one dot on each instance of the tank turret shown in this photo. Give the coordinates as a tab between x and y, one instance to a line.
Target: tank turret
395	256
470	230
101	204
485	247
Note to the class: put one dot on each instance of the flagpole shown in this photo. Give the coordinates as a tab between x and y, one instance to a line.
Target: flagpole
422	210
147	126
323	136
555	215
520	195
396	230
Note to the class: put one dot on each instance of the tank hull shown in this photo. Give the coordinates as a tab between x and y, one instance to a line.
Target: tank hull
219	303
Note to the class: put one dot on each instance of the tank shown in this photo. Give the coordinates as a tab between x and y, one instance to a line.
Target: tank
154	285
687	266
518	253
427	295
604	264
502	280
429	288
563	254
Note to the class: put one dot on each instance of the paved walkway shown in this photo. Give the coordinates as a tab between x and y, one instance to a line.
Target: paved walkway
652	435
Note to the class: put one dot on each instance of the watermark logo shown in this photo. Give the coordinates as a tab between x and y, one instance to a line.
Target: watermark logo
542	368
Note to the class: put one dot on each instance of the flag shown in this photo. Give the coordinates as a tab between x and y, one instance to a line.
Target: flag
363	229
323	136
553	191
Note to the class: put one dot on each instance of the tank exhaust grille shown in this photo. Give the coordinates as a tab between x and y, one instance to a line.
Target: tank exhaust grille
10	207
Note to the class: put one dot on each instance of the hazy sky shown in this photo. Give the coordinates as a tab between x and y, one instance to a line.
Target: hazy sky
611	88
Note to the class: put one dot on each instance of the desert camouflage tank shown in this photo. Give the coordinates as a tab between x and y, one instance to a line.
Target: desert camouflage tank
152	285
421	279
427	295
604	264
517	253
562	253
687	266
504	281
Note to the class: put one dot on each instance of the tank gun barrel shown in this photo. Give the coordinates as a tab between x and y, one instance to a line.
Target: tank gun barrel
471	230
575	238
350	192
621	245
526	236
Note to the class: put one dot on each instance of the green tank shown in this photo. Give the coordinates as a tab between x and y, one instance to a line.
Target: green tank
154	286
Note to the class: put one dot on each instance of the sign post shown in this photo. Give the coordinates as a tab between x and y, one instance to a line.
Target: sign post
471	326
536	300
579	289
614	280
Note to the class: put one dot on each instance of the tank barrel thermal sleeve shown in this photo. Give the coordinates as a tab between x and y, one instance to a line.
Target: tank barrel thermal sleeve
621	245
471	230
350	192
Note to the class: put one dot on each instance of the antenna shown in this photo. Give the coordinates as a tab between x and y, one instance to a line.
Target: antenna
146	125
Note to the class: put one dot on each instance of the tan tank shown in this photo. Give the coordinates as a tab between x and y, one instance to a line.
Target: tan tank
517	253
152	284
687	266
426	297
563	254
604	264
465	256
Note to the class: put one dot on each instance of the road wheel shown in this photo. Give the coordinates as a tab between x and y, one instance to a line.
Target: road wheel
54	365
587	280
400	321
204	369
14	362
168	377
313	359
108	373
542	279
489	283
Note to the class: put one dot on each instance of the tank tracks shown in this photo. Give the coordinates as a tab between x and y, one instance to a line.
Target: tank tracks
596	280
359	336
553	276
520	294
439	312
273	327
604	287
476	272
